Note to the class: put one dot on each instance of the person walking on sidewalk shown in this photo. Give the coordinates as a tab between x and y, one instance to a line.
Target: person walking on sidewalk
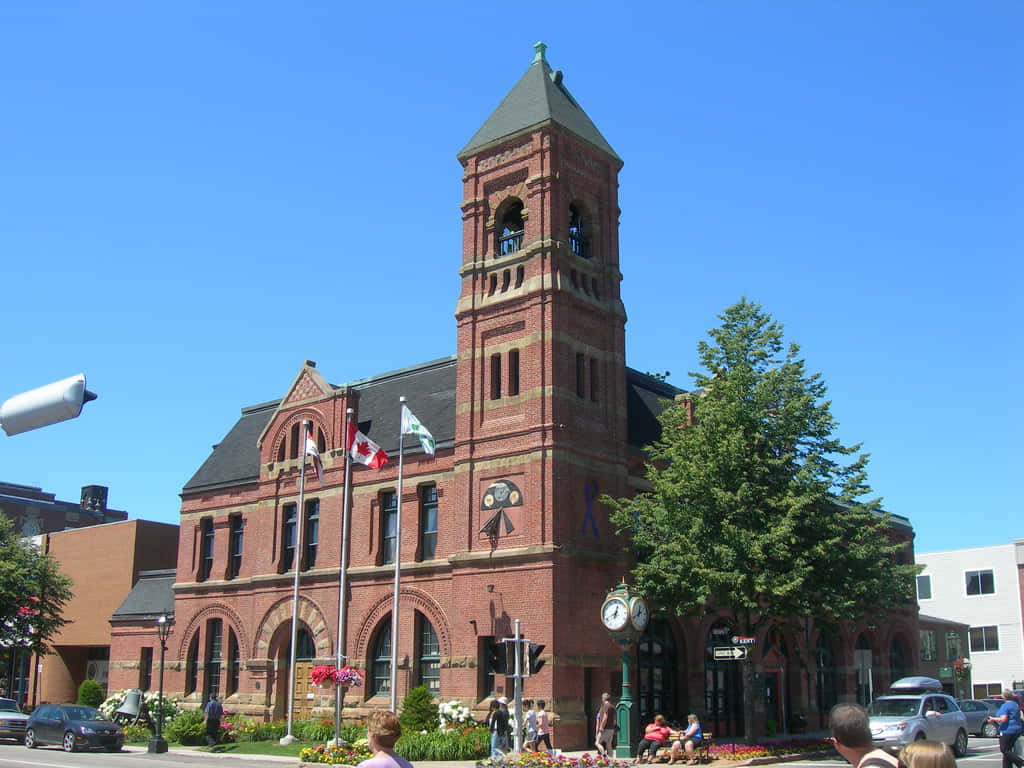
212	714
1008	719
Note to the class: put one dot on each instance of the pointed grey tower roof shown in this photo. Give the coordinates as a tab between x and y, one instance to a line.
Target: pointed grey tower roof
539	96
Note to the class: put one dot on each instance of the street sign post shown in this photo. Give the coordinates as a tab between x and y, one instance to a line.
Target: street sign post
730	652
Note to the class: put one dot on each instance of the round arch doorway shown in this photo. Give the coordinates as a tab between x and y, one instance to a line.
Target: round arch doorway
305	652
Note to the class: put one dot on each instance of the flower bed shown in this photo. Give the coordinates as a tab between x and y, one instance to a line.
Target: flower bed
549	760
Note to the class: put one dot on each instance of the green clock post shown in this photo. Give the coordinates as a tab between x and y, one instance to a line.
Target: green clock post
624	614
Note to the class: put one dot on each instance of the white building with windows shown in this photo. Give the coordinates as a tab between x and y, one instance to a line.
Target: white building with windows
980	587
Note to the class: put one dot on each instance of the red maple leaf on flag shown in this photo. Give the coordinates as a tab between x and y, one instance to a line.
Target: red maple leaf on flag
363	448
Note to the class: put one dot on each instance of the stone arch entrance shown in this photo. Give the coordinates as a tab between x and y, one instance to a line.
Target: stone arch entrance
273	643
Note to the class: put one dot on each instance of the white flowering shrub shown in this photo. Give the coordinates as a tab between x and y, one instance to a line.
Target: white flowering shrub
453	713
151	699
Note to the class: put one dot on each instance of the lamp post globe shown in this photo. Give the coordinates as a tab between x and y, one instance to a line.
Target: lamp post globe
157	743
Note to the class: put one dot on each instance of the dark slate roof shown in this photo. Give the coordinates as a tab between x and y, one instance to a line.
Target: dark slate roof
539	96
151	597
429	389
646	398
235	459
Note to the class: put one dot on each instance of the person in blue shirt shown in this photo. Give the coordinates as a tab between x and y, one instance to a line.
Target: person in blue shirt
1008	718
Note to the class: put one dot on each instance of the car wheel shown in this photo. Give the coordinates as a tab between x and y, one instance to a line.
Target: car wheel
69	742
30	739
960	745
921	736
990	730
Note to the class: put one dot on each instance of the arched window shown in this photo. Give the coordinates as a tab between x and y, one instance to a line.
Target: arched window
380	671
656	661
577	235
234	663
192	665
293	447
429	656
510	233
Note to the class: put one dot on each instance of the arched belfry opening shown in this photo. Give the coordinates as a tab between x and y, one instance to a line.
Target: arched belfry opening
510	233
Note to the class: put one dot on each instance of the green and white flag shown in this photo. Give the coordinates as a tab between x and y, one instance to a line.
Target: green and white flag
412	426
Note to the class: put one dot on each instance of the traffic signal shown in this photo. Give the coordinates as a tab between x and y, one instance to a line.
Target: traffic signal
535	664
46	405
495	655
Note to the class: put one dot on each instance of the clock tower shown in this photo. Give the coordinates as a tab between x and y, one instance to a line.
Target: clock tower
540	417
541	386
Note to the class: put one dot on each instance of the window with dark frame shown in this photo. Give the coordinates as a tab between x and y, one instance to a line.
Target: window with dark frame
980	583
288	538
429	666
380	670
146	668
235	546
293	444
389	526
924	587
495	377
929	648
192	665
205	548
428	522
581	383
594	380
953	651
234	663
984	639
312	533
513	372
214	643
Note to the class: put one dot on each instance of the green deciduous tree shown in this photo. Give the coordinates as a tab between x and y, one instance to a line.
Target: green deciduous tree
755	508
33	593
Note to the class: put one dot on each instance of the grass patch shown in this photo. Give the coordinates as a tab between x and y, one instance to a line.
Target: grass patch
258	748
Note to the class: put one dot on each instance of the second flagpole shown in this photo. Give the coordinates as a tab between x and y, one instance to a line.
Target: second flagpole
398	566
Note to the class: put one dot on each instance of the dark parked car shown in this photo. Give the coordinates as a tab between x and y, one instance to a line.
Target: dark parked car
977	710
73	727
12	720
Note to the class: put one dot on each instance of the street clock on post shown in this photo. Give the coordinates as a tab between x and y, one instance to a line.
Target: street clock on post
625	615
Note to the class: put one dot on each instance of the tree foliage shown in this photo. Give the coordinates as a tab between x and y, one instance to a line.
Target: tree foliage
33	593
754	505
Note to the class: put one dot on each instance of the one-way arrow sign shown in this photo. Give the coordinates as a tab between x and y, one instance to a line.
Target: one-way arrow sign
733	653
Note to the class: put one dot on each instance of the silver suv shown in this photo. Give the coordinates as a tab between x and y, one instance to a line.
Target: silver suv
917	709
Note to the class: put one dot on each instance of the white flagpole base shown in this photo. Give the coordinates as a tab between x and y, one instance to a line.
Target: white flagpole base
284	741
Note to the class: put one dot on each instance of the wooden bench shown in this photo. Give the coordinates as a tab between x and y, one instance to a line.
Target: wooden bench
702	752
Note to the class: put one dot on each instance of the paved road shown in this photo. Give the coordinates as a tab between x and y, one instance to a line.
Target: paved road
982	753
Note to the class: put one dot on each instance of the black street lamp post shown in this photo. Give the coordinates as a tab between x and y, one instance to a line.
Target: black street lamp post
157	743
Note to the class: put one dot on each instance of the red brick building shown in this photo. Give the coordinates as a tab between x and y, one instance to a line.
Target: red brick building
536	413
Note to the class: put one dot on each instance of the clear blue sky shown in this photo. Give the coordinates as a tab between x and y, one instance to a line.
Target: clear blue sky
197	196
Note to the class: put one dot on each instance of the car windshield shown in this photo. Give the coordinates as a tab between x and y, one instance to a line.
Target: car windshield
895	707
83	713
8	705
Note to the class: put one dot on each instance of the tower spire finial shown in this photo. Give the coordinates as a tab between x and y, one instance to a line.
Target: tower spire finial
539	56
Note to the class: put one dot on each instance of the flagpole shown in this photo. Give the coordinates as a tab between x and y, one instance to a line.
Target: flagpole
398	564
288	738
338	695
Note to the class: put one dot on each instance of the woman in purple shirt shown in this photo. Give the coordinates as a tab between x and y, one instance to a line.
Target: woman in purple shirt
382	731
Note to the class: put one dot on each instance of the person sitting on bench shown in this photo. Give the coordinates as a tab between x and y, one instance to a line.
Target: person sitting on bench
690	739
655	736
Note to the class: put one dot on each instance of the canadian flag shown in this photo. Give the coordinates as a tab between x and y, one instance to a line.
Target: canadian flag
364	450
312	451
